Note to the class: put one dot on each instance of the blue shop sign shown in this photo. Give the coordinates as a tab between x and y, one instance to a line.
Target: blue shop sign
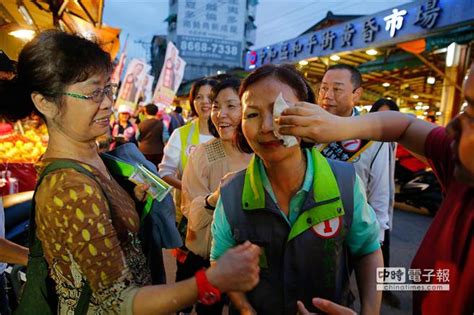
400	24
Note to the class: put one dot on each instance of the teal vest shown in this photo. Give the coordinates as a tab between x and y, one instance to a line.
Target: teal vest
300	262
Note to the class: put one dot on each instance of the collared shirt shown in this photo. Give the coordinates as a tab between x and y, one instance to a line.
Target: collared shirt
362	237
297	200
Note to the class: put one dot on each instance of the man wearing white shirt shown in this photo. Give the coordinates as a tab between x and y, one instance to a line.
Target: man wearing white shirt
340	90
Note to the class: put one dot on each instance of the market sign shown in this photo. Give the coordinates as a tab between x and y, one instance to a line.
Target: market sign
403	23
211	31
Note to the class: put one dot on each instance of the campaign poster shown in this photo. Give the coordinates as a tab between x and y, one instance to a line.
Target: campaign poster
132	82
170	78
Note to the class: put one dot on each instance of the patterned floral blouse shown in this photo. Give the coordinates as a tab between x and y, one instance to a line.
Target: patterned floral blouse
83	239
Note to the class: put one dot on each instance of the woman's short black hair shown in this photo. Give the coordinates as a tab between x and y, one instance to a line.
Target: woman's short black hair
195	90
287	74
229	83
383	101
48	64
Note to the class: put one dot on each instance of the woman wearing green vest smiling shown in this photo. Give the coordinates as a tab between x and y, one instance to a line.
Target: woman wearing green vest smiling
185	139
181	144
306	213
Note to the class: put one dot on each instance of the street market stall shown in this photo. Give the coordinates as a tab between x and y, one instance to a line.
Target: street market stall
21	145
20	20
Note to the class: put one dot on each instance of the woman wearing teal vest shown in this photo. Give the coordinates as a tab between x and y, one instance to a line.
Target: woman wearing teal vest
308	214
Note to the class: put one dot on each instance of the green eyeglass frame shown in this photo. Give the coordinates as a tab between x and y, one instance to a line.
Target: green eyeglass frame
97	96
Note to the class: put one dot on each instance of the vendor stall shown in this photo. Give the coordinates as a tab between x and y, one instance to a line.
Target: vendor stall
20	20
21	145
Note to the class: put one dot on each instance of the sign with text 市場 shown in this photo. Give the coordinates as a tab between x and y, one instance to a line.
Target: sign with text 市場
399	24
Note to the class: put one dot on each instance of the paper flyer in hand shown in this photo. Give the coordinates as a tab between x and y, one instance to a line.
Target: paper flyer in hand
278	107
158	187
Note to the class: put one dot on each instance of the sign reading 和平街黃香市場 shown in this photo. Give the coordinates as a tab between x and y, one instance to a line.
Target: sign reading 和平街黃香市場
403	23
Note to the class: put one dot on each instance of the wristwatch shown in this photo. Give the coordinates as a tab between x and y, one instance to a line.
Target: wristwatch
207	293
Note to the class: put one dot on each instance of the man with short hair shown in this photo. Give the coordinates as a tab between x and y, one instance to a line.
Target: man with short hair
340	90
150	135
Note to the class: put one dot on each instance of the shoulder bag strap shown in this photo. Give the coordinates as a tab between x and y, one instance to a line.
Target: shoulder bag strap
36	250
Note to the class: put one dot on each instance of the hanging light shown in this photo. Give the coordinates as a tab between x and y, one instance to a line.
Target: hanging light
371	52
430	80
23	34
303	62
385	84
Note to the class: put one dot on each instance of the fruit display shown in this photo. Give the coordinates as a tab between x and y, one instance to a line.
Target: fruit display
27	148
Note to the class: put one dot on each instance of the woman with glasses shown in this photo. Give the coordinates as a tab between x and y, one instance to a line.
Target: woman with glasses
86	223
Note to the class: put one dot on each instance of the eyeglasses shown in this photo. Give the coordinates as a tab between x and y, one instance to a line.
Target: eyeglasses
97	96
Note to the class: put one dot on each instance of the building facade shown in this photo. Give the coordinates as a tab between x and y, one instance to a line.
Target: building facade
212	37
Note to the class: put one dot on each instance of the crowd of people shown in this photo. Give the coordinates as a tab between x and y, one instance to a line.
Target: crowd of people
268	226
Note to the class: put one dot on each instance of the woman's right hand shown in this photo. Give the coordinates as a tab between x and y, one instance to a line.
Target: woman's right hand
237	269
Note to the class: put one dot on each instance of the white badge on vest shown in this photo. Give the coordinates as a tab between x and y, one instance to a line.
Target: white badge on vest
351	145
328	228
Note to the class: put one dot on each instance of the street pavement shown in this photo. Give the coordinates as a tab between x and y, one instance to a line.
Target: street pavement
407	234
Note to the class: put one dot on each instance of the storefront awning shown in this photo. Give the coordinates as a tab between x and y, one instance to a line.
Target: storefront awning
462	36
399	60
78	16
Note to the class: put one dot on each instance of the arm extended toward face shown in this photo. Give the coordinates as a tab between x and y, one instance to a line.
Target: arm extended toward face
310	121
